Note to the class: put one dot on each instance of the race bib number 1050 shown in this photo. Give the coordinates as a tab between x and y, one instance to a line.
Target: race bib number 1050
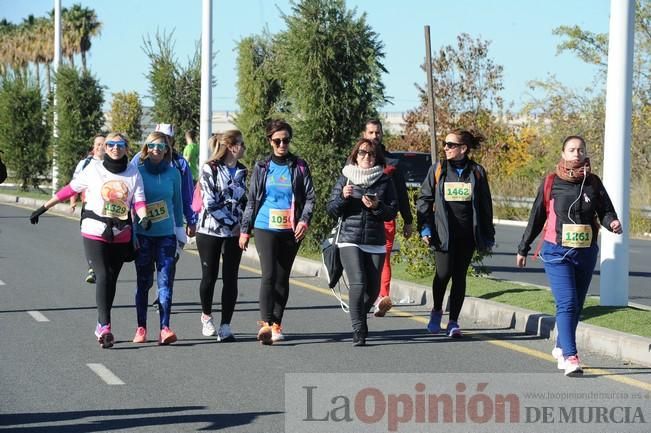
279	219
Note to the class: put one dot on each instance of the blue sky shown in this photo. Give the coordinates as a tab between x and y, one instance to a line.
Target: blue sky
520	32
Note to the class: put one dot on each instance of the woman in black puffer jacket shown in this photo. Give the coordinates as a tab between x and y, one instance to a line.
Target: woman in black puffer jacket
364	198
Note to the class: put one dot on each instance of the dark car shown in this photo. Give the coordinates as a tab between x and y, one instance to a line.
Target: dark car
413	166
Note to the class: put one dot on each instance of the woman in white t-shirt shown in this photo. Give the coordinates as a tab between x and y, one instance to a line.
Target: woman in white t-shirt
112	188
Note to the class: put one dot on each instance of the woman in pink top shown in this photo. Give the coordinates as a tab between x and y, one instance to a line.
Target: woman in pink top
112	188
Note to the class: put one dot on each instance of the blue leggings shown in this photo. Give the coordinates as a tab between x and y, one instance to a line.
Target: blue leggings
159	251
569	272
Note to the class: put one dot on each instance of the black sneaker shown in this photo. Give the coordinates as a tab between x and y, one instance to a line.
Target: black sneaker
358	339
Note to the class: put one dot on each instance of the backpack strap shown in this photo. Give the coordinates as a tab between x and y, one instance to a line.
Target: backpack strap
437	173
547	197
86	162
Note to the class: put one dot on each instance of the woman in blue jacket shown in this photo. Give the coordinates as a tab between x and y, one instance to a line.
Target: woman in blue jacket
157	247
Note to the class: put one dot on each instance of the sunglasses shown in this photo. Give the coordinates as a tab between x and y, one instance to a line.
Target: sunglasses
362	153
451	145
277	141
159	146
120	144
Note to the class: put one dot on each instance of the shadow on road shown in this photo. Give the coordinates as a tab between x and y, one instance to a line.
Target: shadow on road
492	295
116	419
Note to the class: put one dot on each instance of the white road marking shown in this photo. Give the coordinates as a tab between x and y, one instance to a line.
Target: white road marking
2	283
105	374
38	316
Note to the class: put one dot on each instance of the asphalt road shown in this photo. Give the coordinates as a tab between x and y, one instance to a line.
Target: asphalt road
502	264
55	378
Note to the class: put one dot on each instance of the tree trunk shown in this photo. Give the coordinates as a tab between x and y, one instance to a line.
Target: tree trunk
48	78
83	60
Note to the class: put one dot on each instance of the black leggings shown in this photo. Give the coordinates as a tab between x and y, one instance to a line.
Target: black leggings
452	264
277	251
210	249
106	260
363	271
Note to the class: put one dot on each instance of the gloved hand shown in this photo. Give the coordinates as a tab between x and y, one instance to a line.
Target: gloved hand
145	223
33	218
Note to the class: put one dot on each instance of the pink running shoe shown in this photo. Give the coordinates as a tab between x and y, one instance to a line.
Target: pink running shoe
167	336
104	336
573	366
141	335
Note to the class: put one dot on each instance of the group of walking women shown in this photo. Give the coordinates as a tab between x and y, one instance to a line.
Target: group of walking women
454	215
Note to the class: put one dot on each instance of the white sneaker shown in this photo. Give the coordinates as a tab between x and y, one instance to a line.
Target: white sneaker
557	353
225	333
277	333
573	366
208	326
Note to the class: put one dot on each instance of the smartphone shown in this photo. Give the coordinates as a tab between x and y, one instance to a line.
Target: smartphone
371	195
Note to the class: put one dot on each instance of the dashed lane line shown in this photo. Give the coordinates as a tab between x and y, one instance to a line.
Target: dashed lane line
2	283
105	374
38	316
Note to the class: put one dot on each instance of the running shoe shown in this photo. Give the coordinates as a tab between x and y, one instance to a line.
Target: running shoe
454	330
434	325
383	306
208	329
573	366
265	334
90	277
225	334
167	336
557	353
277	333
141	335
104	336
358	339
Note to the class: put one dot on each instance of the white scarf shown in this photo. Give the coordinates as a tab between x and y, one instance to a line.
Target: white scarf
362	176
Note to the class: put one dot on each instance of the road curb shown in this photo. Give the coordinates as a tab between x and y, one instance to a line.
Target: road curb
619	345
590	338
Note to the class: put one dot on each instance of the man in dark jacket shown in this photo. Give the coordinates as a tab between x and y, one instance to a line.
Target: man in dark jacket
373	131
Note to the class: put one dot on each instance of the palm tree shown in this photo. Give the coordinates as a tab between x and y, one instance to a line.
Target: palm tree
80	25
8	34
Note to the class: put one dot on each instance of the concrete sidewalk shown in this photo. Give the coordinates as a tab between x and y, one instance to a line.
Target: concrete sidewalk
619	345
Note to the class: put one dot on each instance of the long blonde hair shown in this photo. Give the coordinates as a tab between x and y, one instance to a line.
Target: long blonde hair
159	136
221	142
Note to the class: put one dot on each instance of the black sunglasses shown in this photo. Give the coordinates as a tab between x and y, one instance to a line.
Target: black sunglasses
277	141
452	145
362	153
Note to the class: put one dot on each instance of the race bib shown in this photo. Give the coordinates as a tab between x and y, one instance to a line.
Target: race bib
157	211
115	209
577	235
279	219
457	191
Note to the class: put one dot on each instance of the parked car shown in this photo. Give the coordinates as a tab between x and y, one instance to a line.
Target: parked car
413	166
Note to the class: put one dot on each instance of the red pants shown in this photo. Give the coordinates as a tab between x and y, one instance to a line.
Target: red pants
390	233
